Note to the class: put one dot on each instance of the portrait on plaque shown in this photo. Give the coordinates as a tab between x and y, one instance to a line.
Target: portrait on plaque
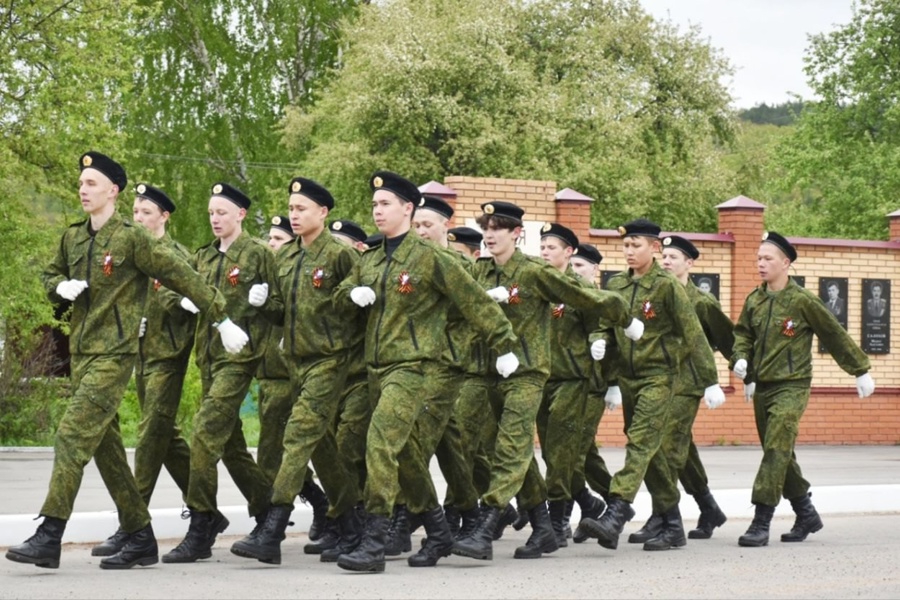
833	292
799	280
876	316
707	282
604	277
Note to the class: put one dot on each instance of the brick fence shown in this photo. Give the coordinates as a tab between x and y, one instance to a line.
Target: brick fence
835	414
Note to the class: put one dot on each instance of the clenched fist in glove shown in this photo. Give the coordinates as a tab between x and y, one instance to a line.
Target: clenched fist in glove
189	306
749	390
499	294
635	330
740	368
598	349
507	364
258	294
362	296
613	397
865	385
233	337
714	396
70	288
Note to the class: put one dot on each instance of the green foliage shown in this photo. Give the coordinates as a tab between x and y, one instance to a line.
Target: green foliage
778	114
594	95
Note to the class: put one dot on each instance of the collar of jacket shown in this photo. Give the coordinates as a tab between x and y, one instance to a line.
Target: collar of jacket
234	250
295	247
514	262
102	236
782	297
646	280
401	253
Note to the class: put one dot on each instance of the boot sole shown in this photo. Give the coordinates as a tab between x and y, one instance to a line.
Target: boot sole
676	544
174	560
746	544
377	568
699	534
476	555
592	530
271	559
145	561
44	563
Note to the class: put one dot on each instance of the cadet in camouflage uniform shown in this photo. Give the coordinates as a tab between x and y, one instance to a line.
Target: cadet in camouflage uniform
317	343
524	286
646	375
242	268
407	284
102	266
772	349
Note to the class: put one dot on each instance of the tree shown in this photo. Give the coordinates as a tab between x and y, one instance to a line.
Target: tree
843	160
594	95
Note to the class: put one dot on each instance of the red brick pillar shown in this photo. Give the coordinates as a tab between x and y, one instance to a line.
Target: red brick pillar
894	220
573	210
433	188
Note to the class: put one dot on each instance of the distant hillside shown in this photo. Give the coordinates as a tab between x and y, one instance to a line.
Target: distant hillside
777	114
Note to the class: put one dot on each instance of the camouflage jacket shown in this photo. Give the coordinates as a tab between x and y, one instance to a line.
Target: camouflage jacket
774	335
570	351
116	262
273	364
532	284
718	329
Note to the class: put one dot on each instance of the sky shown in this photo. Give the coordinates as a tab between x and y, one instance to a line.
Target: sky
765	40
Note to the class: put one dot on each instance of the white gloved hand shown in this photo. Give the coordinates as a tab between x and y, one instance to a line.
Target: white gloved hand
362	296
70	288
613	397
635	330
258	294
507	364
740	368
143	328
714	396
233	337
749	390
598	349
189	306
281	344
499	294
865	385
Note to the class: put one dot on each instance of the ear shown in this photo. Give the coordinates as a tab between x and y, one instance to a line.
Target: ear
242	213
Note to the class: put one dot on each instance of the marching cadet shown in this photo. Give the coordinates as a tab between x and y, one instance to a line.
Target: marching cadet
242	268
317	343
349	233
102	266
646	374
524	286
466	241
406	285
772	349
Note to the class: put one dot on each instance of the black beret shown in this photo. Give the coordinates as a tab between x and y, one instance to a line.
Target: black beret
438	205
348	228
312	190
589	253
503	209
105	165
560	231
155	195
231	193
676	241
641	227
284	224
781	242
374	240
466	236
403	188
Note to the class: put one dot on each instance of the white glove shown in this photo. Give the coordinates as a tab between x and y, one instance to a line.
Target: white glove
70	288
258	294
189	306
749	390
635	330
233	337
281	344
740	368
865	385
362	296
613	397
507	364
143	328
499	294
598	349
714	396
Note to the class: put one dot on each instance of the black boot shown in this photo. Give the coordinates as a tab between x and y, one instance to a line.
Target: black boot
469	523
557	510
265	546
608	527
508	517
649	531
315	497
521	518
758	532
368	557
567	520
197	543
542	539
398	537
350	525
479	544
591	508
111	545
140	549
438	543
711	516
452	516
808	520
672	533
219	524
329	539
43	548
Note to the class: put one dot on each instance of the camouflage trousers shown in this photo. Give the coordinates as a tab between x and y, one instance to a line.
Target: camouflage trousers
354	415
276	397
778	408
159	441
514	470
319	382
219	435
592	471
560	425
90	429
645	403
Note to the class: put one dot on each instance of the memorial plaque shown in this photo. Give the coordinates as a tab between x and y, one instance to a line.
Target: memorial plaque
876	316
833	292
707	282
604	277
